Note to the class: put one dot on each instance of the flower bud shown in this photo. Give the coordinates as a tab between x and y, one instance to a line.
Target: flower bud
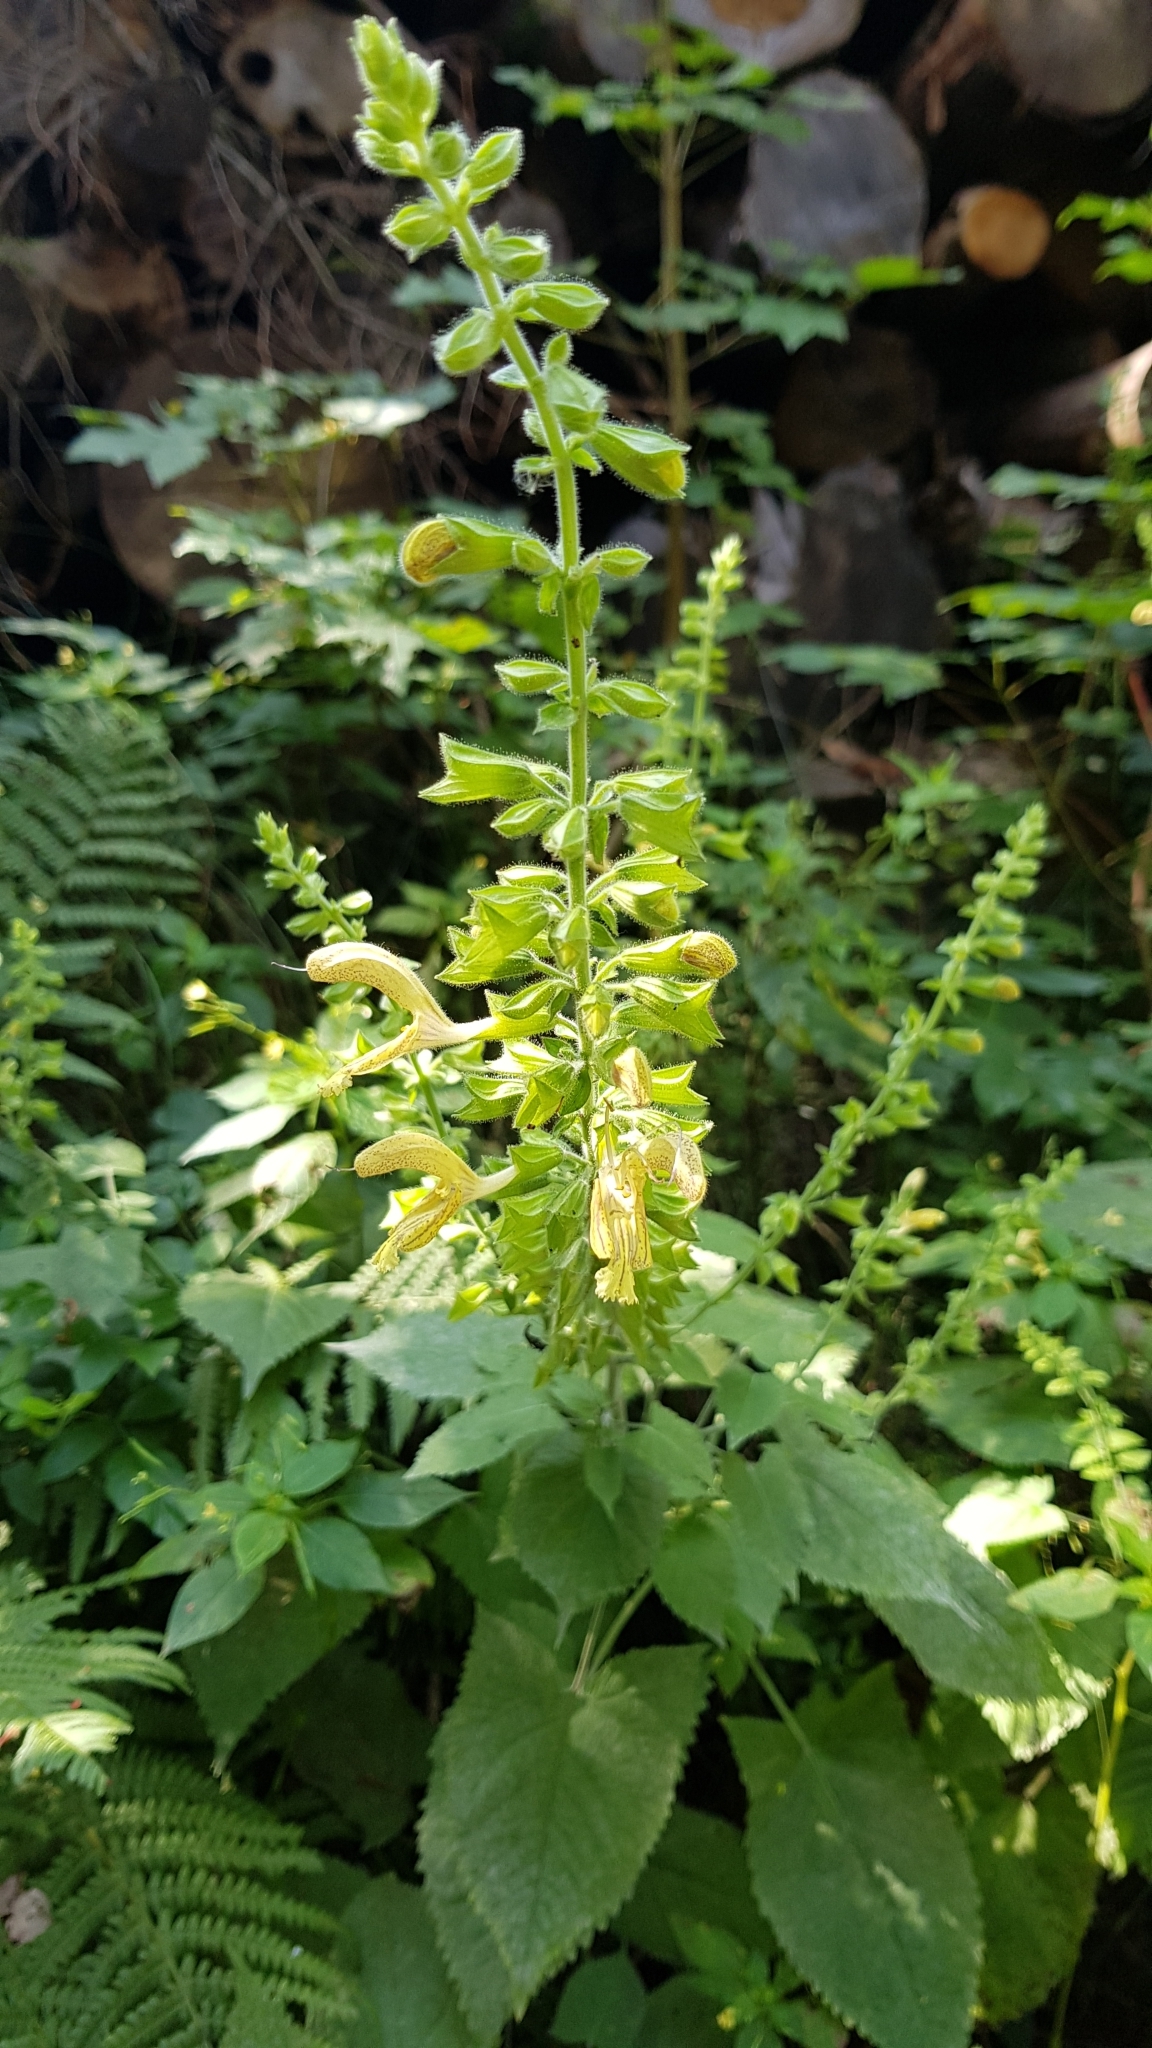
651	462
707	953
455	547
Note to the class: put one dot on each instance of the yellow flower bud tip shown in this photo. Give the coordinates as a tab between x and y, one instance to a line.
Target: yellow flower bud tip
355	961
914	1181
195	992
417	1152
1142	612
728	2020
707	953
1004	989
426	550
633	1076
924	1219
273	1047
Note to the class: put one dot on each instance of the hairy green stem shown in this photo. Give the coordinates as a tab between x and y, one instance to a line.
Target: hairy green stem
674	145
915	1036
619	1623
1102	1811
568	532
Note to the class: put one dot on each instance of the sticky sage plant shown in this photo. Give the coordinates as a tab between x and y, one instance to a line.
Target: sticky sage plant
621	1170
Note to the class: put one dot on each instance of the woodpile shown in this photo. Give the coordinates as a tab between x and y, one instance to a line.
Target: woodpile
179	189
170	173
855	186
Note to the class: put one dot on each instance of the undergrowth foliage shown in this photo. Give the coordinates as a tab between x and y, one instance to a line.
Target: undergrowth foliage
501	1515
173	1923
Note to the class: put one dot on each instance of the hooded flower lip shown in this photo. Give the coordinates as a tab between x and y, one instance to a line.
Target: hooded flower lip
453	1184
374	967
618	1226
677	1158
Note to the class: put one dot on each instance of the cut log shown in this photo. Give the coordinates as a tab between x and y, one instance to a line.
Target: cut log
1080	57
95	272
855	187
602	30
159	126
135	514
292	69
1005	233
779	34
1073	425
863	578
843	402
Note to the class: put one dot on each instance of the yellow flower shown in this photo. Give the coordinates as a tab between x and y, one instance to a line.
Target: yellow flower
618	1226
677	1158
374	967
633	1075
453	1184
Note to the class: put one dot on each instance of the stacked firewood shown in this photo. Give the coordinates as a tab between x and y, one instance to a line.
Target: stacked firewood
179	191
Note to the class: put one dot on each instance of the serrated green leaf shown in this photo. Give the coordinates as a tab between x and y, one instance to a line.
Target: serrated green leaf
353	1733
877	1529
697	1871
676	1450
408	1997
1037	1879
562	1534
437	1360
695	1573
286	1630
260	1318
862	1871
749	1402
769	1520
475	1964
1109	1207
551	1801
478	1436
997	1408
1069	1595
601	2005
776	1330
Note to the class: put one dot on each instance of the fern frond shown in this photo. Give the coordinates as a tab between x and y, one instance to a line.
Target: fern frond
49	1678
97	823
171	1921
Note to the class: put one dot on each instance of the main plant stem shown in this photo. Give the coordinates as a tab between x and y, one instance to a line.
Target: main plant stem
568	535
1102	1813
673	148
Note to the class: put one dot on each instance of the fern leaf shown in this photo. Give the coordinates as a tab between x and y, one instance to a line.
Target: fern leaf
96	818
173	1926
47	1692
